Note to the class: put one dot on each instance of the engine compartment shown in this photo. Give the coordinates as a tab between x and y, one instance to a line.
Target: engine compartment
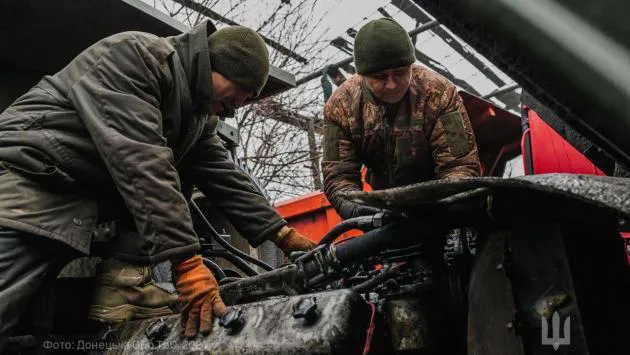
470	267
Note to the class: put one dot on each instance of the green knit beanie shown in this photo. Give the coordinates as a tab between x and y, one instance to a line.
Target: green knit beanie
382	44
240	54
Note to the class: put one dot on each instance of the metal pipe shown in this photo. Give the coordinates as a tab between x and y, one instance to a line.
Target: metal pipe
425	27
502	90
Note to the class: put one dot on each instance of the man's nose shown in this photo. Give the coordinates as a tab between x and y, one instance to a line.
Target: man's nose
390	84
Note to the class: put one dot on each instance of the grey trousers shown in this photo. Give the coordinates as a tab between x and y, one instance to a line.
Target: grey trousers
29	265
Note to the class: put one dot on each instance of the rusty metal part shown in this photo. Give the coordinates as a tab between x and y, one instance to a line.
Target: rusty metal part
408	323
547	305
542	281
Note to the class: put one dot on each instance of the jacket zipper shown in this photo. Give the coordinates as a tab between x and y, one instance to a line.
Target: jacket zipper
390	173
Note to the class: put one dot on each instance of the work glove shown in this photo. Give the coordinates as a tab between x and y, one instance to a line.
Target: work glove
289	240
199	292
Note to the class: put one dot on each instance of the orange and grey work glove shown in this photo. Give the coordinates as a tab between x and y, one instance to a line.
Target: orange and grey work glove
199	292
289	240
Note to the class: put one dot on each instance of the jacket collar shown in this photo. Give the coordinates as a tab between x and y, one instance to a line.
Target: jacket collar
192	48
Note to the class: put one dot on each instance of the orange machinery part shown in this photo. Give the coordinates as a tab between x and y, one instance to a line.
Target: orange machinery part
313	215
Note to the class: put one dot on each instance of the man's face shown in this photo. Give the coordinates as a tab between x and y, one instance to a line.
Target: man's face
389	85
227	94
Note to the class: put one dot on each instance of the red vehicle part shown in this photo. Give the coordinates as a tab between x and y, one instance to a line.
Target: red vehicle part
548	152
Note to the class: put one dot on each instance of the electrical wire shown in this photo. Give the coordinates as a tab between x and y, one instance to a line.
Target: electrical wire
217	237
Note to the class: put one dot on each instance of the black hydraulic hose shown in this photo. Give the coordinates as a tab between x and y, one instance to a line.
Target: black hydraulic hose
229	279
352	223
376	280
215	235
392	236
235	260
218	273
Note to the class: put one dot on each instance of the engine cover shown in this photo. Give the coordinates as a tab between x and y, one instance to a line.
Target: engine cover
336	324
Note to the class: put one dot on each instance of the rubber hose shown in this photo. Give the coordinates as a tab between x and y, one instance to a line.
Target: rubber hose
218	273
215	235
227	280
235	260
376	280
352	223
392	236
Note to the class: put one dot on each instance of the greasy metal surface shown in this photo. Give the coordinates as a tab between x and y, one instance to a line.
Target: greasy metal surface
269	328
609	193
282	281
408	324
491	323
540	273
550	303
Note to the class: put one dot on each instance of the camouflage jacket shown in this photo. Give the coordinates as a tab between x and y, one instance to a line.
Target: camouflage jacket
427	136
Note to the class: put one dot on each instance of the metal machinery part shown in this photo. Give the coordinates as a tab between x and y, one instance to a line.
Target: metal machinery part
544	244
409	280
330	322
402	288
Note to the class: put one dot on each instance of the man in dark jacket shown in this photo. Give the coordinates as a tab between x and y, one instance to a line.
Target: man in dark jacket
110	148
404	122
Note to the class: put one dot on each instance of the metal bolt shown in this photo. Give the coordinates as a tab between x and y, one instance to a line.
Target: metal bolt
510	325
157	331
232	319
499	266
306	308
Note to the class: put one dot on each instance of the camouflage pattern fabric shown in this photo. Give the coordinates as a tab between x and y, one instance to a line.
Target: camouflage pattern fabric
427	136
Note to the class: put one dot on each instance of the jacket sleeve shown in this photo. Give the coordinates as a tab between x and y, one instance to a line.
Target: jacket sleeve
341	165
213	171
452	141
118	100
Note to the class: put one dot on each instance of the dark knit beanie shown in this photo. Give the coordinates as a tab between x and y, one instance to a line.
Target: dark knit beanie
382	44
240	54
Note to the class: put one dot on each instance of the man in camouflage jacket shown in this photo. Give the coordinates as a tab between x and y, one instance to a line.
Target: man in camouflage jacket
405	123
121	134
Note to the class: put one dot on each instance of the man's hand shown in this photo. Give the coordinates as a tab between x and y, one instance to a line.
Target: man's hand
289	240
199	292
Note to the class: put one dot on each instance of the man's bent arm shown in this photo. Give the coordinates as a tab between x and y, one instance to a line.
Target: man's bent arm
212	170
452	140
